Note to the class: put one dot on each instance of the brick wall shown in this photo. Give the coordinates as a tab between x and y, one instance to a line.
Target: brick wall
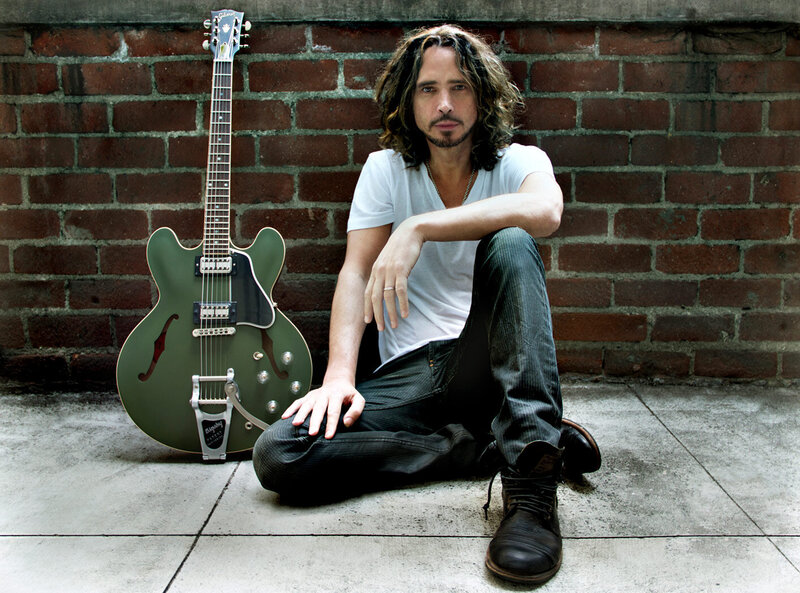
678	151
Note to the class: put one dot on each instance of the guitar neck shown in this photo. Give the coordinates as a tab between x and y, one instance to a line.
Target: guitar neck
216	234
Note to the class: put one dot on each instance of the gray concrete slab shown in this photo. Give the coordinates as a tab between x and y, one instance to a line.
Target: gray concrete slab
746	437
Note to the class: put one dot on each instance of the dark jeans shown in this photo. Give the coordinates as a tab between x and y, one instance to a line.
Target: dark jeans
430	413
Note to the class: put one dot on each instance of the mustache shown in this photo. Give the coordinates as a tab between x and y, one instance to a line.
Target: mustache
446	118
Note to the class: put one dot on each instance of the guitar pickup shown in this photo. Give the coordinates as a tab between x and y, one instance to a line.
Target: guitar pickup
214	265
224	312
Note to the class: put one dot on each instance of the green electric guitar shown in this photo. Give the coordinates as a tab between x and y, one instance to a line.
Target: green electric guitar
215	362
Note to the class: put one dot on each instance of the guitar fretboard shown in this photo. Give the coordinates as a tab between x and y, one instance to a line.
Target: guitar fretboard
216	239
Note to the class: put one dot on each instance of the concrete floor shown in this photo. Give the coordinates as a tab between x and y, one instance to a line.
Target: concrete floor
699	491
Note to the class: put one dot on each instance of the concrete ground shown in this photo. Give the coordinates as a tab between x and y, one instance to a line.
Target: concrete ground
698	492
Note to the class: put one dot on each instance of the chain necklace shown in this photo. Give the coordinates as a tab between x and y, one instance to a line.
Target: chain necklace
436	187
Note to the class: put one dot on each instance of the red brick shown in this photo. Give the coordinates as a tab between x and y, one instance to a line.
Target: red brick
688	187
75	42
587	151
587	362
64	118
10	189
615	188
106	78
12	331
159	116
518	72
123	153
695	327
579	292
12	42
791	293
189	77
8	118
718	116
107	293
625	114
31	294
549	40
186	224
28	79
655	223
310	259
667	77
548	114
735	364
304	151
93	369
355	39
37	152
740	293
654	293
192	151
772	259
337	114
325	186
5	256
257	188
123	260
758	77
78	188
277	39
362	74
161	42
304	294
792	44
608	259
291	223
791	365
761	152
636	363
258	115
784	115
674	150
561	76
745	224
293	75
159	188
732	41
582	222
69	331
771	327
779	187
36	368
29	224
632	40
105	224
363	145
697	259
599	327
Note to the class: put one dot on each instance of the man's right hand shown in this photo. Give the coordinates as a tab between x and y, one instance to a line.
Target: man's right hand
327	402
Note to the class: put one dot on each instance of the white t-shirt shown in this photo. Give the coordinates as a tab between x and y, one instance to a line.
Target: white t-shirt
440	284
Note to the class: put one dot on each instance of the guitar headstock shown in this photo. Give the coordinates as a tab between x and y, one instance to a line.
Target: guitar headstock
226	33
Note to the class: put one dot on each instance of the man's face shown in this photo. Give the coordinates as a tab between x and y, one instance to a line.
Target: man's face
445	109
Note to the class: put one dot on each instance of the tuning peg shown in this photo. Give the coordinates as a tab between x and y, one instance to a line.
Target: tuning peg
206	45
207	23
243	45
247	25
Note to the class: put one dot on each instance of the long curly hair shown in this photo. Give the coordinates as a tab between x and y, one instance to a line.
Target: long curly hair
497	97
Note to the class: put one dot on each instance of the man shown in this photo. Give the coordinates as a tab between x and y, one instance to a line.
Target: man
441	256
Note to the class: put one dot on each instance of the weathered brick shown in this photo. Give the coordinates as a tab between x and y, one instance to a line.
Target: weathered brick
337	114
625	114
69	188
37	368
791	293
745	224
667	77
579	292
720	40
760	151
549	40
31	294
187	224
363	145
688	187
758	77
70	331
189	77
108	293
697	259
157	188
740	293
192	151
718	116
8	118
93	369
12	42
615	188
64	118
106	78
633	40
304	151
587	361
28	79
607	259
5	259
155	116
28	224
258	115
561	76
770	327
122	153
355	39
105	224
582	222
655	223
693	327
324	186
257	188
654	293
12	332
292	223
599	327
87	41
784	115
735	364
37	152
362	74
310	259
674	150
772	259
304	294
162	42
277	39
653	363
791	365
10	189
293	75
587	151
548	114
123	259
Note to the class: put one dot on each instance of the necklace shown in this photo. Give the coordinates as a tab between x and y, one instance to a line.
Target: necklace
436	187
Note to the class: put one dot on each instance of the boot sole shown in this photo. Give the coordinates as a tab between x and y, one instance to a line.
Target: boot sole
517	578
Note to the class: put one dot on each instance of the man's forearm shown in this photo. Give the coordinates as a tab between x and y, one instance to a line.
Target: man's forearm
346	326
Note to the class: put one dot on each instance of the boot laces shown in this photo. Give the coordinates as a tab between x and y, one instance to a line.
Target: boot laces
535	495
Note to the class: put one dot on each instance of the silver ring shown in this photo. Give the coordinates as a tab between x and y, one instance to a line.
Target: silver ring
388	288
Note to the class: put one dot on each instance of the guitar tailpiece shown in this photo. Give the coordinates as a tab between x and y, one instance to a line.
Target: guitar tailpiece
213	429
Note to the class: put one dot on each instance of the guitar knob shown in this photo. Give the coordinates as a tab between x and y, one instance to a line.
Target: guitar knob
287	358
295	387
272	406
262	377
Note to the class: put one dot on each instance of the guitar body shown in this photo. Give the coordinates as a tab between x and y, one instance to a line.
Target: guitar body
161	356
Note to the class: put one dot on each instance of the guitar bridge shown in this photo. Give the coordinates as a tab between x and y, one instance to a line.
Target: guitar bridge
213	429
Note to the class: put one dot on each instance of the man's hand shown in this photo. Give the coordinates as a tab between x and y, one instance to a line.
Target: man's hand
388	280
327	403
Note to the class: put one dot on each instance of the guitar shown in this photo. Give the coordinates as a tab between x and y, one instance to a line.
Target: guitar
215	361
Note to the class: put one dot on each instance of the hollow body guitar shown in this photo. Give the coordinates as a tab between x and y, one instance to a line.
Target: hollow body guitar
215	362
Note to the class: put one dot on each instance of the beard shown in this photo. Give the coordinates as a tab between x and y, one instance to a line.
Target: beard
447	141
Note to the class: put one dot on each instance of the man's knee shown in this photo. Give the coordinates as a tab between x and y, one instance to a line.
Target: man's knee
271	458
509	248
